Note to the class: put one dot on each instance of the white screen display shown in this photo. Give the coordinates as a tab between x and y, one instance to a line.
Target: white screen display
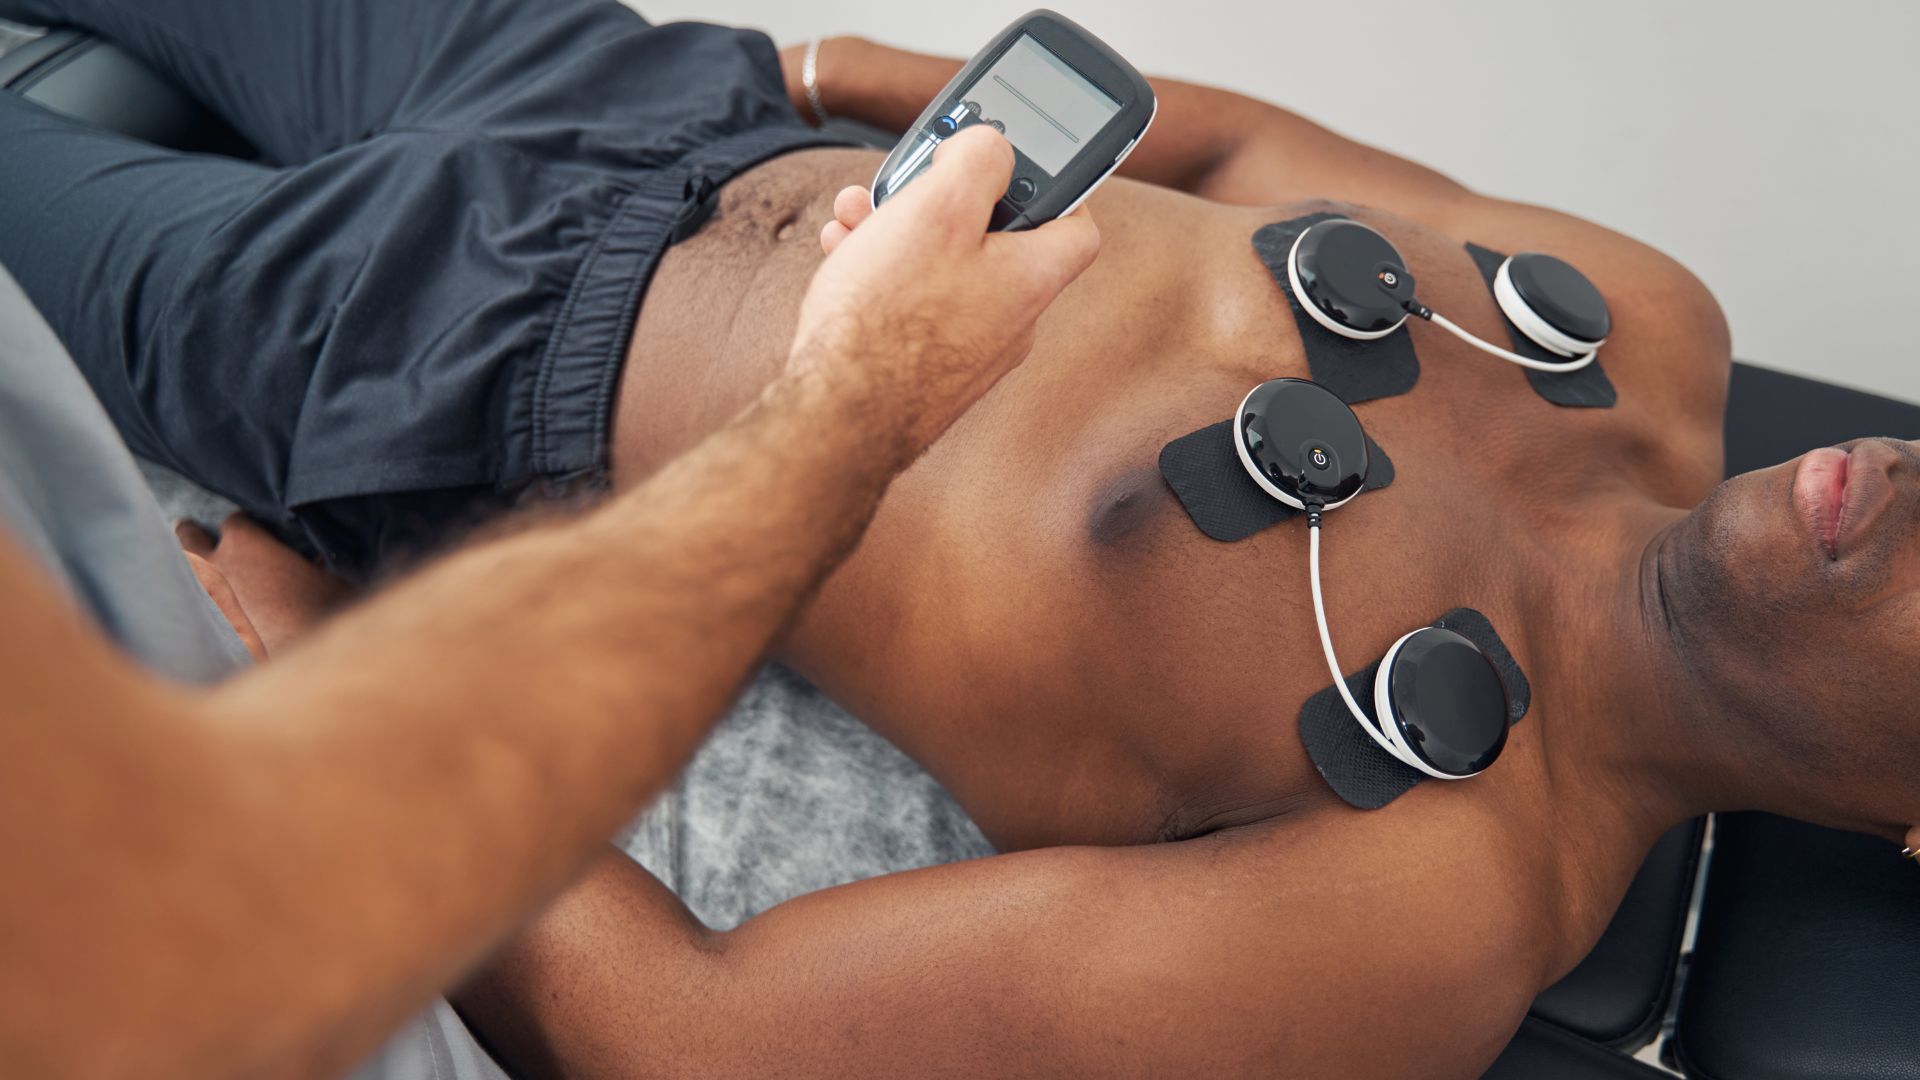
1049	109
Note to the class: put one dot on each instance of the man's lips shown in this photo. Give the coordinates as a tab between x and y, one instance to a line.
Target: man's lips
1840	492
1820	492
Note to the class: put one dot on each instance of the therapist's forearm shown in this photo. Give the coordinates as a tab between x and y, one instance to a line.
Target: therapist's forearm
426	768
628	632
265	878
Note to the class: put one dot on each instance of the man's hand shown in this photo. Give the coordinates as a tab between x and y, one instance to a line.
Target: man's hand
918	309
220	591
268	592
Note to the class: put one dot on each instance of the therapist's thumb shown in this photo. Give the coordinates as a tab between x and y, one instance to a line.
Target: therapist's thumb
970	172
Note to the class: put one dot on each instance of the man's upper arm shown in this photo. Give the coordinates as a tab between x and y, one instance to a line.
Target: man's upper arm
1265	953
1277	156
1211	142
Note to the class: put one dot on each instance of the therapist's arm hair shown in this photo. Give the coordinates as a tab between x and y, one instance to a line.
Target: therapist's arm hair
1210	142
1259	952
265	878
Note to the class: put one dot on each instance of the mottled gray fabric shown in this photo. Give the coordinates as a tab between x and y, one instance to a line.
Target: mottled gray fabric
183	500
792	794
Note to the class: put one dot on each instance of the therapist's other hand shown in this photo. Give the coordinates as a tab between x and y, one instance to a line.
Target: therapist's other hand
917	305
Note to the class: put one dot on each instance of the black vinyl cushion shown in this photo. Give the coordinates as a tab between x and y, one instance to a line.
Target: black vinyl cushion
1540	1051
1618	994
1807	965
1773	416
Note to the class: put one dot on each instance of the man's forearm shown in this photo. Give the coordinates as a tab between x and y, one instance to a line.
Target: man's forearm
1211	142
1196	128
428	767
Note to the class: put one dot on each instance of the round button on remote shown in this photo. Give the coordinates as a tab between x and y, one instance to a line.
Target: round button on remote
1020	190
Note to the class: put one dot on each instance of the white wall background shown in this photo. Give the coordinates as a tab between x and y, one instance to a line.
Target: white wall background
1747	138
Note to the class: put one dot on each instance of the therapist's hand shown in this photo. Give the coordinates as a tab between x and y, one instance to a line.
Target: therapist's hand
917	306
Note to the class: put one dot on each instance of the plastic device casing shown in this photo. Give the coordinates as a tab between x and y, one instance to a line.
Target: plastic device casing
1052	195
1299	441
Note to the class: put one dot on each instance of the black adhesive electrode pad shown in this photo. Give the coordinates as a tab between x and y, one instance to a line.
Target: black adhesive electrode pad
1351	763
1356	370
1587	388
1204	470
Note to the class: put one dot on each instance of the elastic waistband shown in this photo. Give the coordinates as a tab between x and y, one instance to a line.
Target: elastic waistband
573	392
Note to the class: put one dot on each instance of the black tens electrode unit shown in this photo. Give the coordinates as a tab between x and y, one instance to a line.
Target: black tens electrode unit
1439	703
1072	108
1353	281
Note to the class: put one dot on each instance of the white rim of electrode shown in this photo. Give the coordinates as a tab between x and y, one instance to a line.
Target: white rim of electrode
1313	312
1253	469
1529	322
1390	720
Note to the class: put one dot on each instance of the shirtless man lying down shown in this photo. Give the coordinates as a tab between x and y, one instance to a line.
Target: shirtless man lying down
442	267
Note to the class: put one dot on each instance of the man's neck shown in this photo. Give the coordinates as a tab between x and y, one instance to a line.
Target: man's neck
1615	703
1652	737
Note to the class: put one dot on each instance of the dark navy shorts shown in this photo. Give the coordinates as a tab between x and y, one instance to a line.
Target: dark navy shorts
421	299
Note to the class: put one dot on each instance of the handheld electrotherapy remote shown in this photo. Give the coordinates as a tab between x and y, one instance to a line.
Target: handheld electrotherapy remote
1071	106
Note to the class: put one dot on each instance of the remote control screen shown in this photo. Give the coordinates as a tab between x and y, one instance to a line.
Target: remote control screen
1048	109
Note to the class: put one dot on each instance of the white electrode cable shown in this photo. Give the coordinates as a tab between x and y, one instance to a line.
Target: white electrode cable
1470	338
1326	639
